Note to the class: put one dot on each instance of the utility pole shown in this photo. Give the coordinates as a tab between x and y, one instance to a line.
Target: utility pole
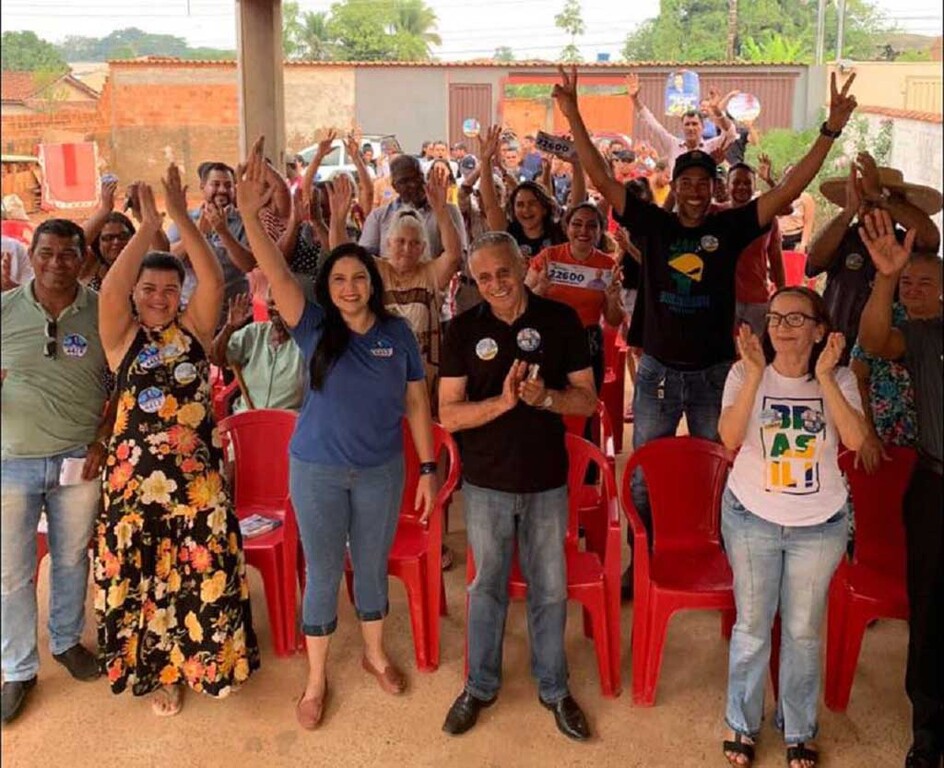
840	28
820	32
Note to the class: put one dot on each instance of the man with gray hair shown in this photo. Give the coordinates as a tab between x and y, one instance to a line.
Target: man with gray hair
511	367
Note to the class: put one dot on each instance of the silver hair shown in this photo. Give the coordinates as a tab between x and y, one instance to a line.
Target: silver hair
496	240
408	218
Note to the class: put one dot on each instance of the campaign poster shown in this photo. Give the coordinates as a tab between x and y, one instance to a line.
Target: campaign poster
682	92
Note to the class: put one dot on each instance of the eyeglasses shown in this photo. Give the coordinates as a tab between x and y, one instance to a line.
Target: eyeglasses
122	237
52	329
792	319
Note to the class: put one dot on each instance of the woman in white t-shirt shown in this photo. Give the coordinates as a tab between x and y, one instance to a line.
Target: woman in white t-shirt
787	407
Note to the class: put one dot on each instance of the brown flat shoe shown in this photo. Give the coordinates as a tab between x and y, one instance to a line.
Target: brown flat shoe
309	712
391	679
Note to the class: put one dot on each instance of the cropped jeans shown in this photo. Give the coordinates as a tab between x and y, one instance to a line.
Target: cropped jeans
785	568
337	507
30	486
494	519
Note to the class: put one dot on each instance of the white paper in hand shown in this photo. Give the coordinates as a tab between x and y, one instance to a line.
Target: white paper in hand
71	472
556	145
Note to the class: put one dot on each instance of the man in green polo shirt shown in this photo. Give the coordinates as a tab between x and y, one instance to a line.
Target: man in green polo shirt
52	448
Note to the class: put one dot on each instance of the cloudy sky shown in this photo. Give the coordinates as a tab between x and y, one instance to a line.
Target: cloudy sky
469	28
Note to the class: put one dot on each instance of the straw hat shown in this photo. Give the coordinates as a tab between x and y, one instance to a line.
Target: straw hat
927	199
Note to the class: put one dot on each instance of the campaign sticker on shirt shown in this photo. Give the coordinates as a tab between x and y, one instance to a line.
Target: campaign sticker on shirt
75	345
770	419
151	400
813	421
170	351
528	339
382	349
855	261
185	373
149	357
486	349
709	243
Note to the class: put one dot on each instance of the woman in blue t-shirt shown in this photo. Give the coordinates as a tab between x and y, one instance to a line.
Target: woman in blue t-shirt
346	465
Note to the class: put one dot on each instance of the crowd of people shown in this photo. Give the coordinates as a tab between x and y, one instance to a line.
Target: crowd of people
468	284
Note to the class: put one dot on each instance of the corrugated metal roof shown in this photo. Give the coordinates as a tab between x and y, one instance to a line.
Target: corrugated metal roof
482	63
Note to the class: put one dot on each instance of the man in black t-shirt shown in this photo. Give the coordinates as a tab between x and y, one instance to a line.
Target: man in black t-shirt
510	368
919	343
688	286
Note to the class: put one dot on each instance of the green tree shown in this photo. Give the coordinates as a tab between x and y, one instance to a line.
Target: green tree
362	30
25	52
314	39
690	30
413	28
775	49
291	29
571	21
503	53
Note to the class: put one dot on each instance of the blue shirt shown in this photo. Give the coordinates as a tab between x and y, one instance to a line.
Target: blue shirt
354	419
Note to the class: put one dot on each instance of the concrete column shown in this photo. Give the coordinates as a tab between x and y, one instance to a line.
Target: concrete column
259	71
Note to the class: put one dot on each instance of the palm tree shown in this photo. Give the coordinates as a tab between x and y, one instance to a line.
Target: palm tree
315	42
413	24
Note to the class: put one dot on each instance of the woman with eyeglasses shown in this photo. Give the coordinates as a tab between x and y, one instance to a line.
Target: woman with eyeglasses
784	515
172	599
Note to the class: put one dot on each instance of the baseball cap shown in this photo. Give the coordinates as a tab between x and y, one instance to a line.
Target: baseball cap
626	155
466	165
694	159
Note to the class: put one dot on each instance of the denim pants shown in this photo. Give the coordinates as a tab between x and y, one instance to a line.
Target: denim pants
493	519
30	486
339	506
660	398
786	568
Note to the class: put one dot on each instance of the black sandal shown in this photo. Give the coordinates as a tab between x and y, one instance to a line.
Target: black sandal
738	747
802	752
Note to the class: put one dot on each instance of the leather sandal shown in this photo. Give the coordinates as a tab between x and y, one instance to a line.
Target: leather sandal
391	679
733	749
309	712
801	752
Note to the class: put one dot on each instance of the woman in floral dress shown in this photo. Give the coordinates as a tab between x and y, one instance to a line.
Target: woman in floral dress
172	600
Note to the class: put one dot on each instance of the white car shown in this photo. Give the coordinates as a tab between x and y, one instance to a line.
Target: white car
338	161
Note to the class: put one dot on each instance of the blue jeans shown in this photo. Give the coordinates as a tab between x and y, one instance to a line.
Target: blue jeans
492	519
28	487
337	506
660	398
789	568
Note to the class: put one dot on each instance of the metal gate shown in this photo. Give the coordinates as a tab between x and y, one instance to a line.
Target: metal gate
468	100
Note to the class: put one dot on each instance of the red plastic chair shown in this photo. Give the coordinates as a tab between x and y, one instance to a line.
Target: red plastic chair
872	585
686	567
593	574
591	494
259	442
612	392
794	268
416	554
223	397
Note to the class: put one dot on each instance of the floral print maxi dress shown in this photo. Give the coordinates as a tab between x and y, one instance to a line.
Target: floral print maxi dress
172	599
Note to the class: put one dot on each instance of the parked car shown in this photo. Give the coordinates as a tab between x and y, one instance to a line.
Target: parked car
338	161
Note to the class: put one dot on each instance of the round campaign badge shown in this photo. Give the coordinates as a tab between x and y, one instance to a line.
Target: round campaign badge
149	357
151	400
528	339
185	373
486	349
855	261
770	419
471	127
813	421
170	351
75	345
709	243
382	349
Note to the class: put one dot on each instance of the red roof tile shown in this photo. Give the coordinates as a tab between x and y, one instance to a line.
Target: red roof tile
905	114
17	86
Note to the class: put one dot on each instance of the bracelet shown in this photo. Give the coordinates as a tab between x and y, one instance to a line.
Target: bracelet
825	131
428	468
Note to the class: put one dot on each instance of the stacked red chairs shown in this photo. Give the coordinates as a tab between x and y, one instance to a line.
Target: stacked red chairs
593	573
871	584
259	443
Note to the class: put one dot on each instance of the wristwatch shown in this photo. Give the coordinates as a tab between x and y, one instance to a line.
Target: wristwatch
825	131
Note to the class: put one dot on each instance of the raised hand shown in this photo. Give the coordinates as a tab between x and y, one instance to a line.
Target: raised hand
252	191
714	101
513	379
632	85
150	217
841	104
239	311
340	197
437	188
565	92
325	142
868	175
614	288
878	233
488	143
765	168
175	194
352	147
751	351
131	194
108	195
831	354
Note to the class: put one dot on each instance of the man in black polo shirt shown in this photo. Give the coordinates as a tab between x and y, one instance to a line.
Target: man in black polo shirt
510	368
688	269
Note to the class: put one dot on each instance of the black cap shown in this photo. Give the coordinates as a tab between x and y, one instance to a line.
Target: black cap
627	155
694	159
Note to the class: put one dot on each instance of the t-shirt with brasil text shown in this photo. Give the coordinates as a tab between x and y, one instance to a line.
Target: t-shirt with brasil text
787	470
688	281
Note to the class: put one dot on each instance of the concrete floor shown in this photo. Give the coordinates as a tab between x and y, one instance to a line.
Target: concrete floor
68	723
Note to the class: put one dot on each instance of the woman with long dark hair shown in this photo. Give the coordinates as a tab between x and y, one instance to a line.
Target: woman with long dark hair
346	467
784	516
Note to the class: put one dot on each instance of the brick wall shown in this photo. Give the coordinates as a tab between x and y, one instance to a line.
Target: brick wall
22	133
